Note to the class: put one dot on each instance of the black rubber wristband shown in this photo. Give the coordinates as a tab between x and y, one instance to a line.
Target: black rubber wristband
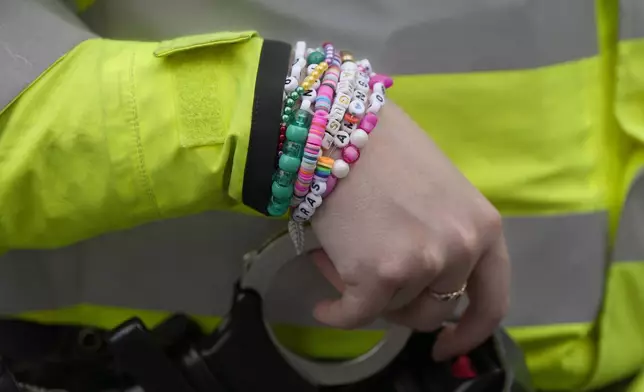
264	133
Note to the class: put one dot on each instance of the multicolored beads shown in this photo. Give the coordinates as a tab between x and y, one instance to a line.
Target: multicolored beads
338	102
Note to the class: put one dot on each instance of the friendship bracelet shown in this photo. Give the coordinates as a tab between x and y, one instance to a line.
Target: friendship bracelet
326	121
293	136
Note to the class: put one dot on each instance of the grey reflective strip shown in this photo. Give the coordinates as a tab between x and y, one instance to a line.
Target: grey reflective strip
398	36
33	35
631	19
558	265
190	265
629	243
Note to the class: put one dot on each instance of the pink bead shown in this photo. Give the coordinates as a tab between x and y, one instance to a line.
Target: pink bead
326	91
314	140
350	154
330	185
369	122
321	113
384	79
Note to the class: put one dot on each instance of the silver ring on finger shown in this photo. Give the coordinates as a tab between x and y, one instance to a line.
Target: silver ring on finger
447	297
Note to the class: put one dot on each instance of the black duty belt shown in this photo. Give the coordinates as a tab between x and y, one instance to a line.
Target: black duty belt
240	355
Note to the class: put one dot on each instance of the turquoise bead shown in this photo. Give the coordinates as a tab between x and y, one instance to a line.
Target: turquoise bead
289	102
289	163
282	192
299	90
295	95
315	58
284	178
285	118
303	118
288	110
277	209
296	133
293	149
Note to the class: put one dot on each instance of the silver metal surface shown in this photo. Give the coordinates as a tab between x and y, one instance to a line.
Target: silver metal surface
261	269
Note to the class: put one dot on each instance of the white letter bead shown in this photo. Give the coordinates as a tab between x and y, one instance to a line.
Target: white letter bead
343	100
342	139
311	68
300	49
359	138
362	85
309	95
365	64
344	88
340	168
333	127
305	208
299	216
379	88
290	84
337	112
313	200
327	142
318	188
316	85
349	127
377	97
360	96
357	108
347	75
374	107
296	72
349	66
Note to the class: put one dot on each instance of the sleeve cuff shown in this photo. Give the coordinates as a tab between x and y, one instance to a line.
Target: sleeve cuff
264	133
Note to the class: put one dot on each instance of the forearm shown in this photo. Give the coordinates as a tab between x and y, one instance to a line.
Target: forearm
117	134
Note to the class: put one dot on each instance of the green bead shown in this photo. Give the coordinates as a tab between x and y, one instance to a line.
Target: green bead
282	192
289	163
303	118
315	58
284	178
295	95
285	118
277	209
300	90
289	102
296	133
288	111
293	149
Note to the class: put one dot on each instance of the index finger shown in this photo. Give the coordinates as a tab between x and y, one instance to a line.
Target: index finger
359	305
488	294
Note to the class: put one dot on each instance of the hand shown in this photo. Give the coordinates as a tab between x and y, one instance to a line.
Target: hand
406	223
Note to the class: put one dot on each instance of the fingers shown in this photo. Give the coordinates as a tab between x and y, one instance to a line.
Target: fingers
326	268
359	305
488	293
426	313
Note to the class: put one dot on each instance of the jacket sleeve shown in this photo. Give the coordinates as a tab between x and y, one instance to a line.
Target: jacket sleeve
113	134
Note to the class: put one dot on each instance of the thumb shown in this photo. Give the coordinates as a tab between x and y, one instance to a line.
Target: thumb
360	304
327	269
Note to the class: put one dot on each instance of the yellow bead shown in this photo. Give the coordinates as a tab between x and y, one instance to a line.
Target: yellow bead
306	86
315	74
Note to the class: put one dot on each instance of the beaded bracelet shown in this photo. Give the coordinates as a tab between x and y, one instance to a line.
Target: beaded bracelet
349	123
294	137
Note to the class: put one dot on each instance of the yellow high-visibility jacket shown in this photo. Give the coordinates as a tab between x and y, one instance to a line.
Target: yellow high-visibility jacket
120	113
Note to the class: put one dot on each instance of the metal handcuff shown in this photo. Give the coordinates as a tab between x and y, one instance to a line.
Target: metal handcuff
261	268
